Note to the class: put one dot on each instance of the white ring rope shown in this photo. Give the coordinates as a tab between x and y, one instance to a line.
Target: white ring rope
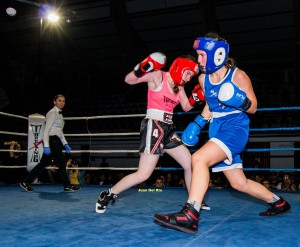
15	151
13	133
12	115
105	116
106	134
104	151
80	151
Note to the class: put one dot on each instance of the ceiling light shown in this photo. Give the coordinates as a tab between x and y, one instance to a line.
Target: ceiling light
11	11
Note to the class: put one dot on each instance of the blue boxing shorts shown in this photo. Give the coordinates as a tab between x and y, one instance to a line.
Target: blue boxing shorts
230	131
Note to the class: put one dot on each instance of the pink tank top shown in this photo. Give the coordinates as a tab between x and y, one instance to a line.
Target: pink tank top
163	98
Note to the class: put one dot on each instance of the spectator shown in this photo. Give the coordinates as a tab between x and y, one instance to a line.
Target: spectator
169	181
102	179
265	182
159	182
52	172
15	158
73	173
287	183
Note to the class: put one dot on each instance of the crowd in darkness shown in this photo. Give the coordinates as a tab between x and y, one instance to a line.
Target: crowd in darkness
287	181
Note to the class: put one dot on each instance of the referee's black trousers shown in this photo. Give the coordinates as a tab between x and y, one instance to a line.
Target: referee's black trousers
59	159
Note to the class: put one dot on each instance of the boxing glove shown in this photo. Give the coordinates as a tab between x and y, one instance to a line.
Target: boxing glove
190	135
47	150
231	95
68	149
197	96
154	61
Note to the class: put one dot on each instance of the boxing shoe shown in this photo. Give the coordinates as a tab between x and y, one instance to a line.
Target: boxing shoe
71	188
103	200
26	186
204	206
279	207
185	220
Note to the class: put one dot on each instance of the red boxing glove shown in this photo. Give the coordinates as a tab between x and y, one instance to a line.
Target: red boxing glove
154	61
197	96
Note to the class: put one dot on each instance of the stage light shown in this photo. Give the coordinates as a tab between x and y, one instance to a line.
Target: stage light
70	16
52	17
11	11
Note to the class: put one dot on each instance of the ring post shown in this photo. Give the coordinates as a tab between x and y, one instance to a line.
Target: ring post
36	126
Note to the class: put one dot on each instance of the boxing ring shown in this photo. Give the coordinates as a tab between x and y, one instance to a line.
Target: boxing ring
50	217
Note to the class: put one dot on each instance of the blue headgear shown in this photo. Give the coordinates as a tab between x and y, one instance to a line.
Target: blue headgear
216	51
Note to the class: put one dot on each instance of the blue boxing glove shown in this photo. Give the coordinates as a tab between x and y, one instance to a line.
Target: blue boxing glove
47	150
190	135
231	95
68	149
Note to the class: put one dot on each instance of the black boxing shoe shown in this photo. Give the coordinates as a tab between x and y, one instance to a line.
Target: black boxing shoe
185	221
103	200
71	188
204	206
279	207
26	186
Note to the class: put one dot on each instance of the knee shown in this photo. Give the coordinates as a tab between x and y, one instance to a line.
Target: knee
141	177
187	167
239	185
197	160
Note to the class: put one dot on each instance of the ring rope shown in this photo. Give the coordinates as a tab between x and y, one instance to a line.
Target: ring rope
137	133
104	116
156	168
12	115
15	151
142	115
13	133
256	150
106	134
293	108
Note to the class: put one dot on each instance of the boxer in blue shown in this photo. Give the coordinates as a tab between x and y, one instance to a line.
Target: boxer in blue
229	96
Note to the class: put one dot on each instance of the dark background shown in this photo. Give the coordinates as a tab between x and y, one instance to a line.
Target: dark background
87	59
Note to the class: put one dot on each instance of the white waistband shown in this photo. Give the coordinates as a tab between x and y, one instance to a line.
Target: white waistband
223	114
159	115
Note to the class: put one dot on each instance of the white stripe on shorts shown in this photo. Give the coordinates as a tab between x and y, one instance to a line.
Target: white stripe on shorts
224	148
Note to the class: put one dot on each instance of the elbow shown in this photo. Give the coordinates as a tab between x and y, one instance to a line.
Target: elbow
127	81
187	107
252	109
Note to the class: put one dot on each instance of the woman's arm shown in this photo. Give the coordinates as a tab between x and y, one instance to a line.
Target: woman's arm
184	101
243	81
152	78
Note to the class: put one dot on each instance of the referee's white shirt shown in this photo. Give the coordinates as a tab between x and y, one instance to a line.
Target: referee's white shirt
54	126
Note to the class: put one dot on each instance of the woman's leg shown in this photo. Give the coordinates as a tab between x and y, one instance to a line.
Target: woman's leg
147	164
205	157
187	219
183	156
238	181
146	167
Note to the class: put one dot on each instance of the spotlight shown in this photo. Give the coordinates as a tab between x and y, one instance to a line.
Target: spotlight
52	17
70	16
11	11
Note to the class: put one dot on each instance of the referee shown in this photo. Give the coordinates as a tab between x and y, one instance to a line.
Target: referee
54	140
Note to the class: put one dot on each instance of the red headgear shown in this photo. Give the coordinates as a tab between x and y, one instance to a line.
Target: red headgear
179	66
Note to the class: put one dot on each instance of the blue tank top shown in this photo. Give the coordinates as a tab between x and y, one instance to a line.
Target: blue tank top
212	91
